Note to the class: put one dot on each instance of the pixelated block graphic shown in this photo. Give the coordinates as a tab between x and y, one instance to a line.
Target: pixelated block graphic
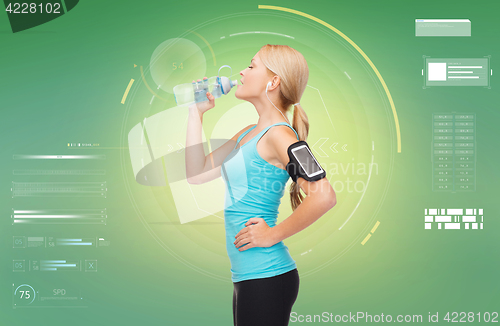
454	218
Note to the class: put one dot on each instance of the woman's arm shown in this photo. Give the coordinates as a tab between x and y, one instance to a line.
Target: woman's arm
320	198
201	168
194	153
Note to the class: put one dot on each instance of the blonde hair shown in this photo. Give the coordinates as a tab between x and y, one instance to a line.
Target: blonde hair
290	65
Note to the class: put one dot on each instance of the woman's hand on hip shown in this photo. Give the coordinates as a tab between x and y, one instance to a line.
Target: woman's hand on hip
256	233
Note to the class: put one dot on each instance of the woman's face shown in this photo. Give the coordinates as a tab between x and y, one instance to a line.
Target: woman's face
253	80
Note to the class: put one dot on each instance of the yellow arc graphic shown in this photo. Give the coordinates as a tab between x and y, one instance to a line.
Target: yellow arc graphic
127	90
208	44
396	121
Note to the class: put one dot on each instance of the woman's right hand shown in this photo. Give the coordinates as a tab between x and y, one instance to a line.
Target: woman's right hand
204	106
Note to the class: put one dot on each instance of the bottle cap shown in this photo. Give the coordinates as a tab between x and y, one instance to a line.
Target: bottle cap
205	78
199	80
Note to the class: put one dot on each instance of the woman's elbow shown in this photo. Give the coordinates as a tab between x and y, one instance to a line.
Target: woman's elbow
193	180
326	197
332	201
331	198
326	201
198	179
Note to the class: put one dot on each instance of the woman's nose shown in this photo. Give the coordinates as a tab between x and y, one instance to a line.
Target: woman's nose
241	73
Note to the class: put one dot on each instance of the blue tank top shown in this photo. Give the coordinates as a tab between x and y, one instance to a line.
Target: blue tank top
254	188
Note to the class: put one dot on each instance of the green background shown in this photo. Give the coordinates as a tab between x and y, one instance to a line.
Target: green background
63	82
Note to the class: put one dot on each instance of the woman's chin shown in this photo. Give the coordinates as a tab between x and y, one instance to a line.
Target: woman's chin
237	95
240	94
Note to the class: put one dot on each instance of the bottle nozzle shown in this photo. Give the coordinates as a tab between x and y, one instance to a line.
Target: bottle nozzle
234	83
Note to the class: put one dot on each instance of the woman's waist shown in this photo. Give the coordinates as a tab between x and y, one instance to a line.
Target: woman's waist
255	253
245	206
274	248
259	259
234	222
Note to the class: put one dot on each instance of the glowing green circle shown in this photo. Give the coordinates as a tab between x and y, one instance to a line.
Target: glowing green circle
177	61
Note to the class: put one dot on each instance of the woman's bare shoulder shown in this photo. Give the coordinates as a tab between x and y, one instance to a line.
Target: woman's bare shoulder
282	132
235	137
279	140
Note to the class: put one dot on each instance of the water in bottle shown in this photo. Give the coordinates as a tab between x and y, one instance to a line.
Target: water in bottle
200	94
195	92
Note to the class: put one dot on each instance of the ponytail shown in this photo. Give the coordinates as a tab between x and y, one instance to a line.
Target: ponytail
301	124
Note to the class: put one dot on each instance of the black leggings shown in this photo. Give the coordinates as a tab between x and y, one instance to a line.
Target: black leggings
265	301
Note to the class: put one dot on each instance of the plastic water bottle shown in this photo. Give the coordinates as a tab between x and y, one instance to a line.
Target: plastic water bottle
195	92
205	84
216	90
200	92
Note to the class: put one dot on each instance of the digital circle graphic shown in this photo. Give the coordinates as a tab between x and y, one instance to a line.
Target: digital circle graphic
24	295
176	61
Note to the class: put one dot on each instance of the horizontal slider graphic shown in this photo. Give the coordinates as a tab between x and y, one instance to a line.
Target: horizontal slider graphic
60	216
75	242
59	189
58	172
58	157
466	67
56	265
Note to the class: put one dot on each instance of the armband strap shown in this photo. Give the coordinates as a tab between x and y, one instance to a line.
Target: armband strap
306	157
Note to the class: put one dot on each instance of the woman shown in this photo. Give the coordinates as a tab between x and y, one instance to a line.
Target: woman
264	275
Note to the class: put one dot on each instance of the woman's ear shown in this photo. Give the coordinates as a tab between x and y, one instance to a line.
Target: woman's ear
275	83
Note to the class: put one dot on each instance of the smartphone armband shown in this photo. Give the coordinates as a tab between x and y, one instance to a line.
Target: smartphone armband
302	163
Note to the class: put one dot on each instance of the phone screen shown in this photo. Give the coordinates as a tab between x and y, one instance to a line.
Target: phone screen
307	161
